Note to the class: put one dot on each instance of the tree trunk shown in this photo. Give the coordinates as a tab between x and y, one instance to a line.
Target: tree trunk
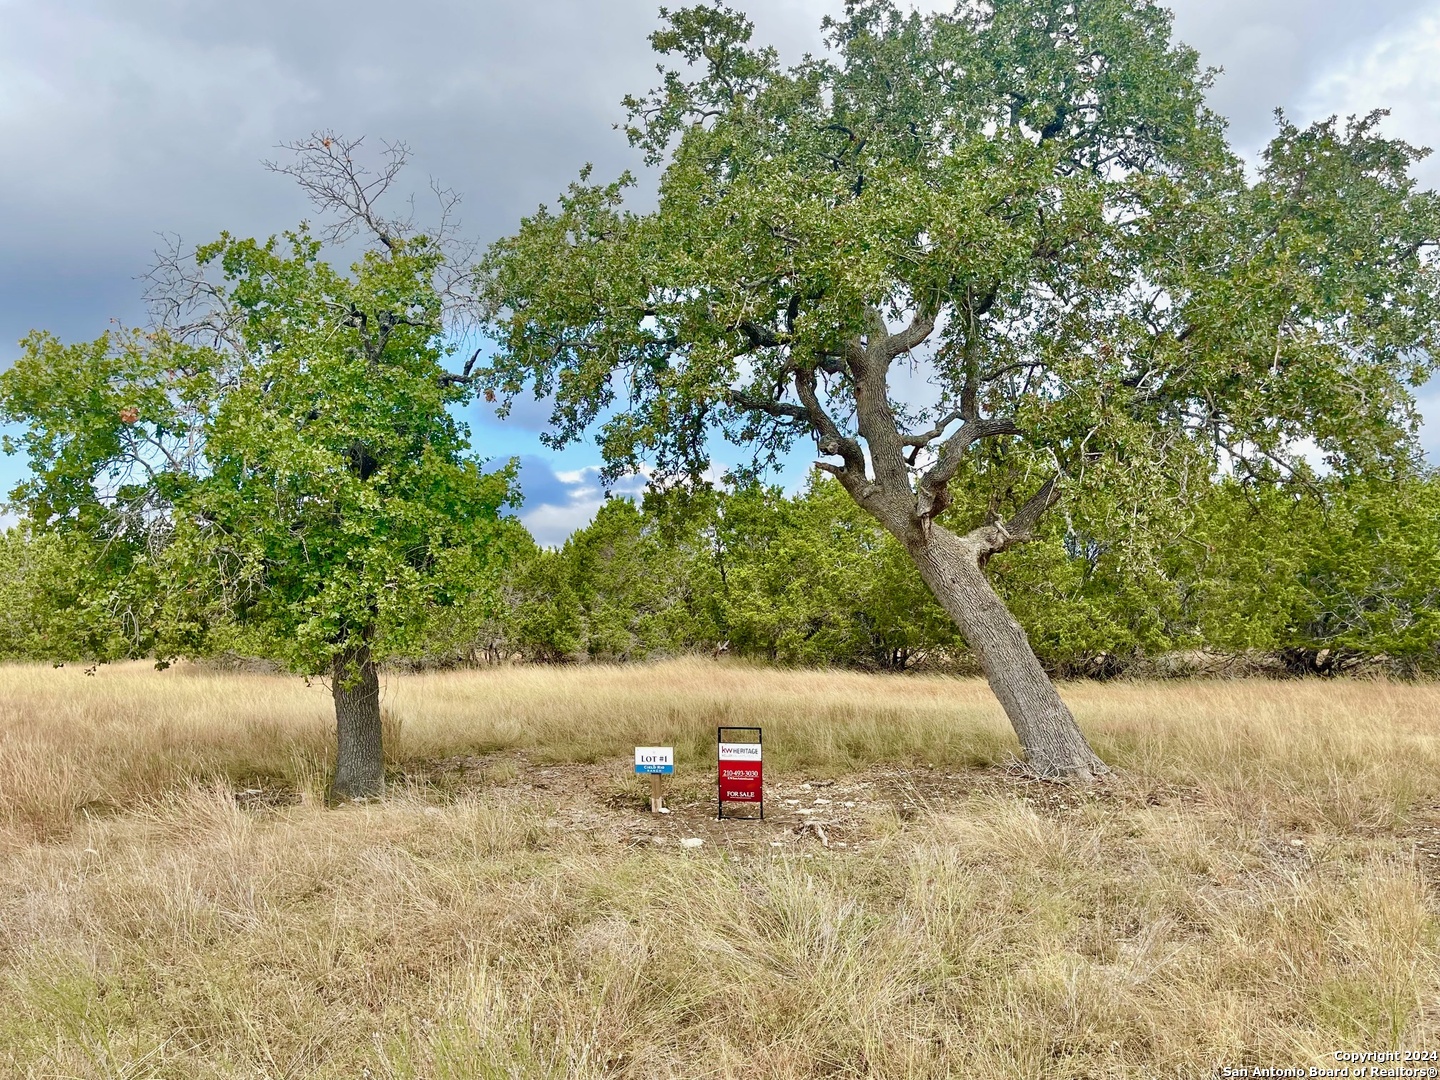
360	754
1053	744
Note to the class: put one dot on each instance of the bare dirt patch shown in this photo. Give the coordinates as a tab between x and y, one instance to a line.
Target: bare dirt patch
801	810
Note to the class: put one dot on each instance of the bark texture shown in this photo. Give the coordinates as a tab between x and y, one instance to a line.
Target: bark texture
360	753
1054	746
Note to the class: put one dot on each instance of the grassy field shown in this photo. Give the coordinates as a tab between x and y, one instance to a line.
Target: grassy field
1257	887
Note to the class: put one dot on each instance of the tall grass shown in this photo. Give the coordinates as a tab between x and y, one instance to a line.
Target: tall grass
1358	752
1250	892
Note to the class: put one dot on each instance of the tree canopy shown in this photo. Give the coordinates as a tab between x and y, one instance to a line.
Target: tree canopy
1028	204
1037	192
987	260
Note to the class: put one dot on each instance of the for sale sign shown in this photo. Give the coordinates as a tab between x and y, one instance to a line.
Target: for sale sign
740	776
655	759
741	765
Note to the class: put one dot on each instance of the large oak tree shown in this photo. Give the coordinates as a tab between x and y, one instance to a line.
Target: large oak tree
1028	203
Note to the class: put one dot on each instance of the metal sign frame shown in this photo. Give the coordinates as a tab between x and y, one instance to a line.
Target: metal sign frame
719	783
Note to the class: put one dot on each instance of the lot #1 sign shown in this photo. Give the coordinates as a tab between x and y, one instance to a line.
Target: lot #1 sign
741	770
655	759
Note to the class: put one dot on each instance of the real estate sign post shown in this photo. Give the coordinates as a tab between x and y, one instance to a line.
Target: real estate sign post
655	761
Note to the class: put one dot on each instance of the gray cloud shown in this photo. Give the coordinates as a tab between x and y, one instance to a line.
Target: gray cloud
153	116
1272	51
146	116
128	118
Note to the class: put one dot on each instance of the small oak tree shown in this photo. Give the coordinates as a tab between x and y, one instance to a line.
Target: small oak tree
1027	203
283	447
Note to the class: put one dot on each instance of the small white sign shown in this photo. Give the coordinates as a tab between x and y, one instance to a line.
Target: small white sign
654	759
739	751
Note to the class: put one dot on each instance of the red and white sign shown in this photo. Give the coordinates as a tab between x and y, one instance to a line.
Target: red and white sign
740	772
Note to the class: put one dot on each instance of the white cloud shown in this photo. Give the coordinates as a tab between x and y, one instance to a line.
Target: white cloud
1400	72
577	476
552	525
561	501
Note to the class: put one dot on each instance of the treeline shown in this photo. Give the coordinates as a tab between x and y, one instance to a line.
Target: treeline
1323	578
1326	578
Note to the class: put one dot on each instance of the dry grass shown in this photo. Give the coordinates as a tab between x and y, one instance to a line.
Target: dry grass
1257	889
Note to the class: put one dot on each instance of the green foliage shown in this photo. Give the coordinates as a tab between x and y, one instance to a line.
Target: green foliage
1352	567
1086	281
805	580
1042	176
640	587
67	597
342	498
633	583
1091	286
1279	572
542	616
815	579
111	433
300	485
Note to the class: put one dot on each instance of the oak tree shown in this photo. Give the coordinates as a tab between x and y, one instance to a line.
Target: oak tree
282	444
1006	245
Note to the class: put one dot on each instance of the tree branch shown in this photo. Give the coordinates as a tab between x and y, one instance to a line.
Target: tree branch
973	310
994	537
925	438
915	334
188	306
326	170
760	337
1005	369
770	407
466	377
829	438
932	493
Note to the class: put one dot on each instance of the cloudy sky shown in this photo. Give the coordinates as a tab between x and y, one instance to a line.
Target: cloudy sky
125	119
